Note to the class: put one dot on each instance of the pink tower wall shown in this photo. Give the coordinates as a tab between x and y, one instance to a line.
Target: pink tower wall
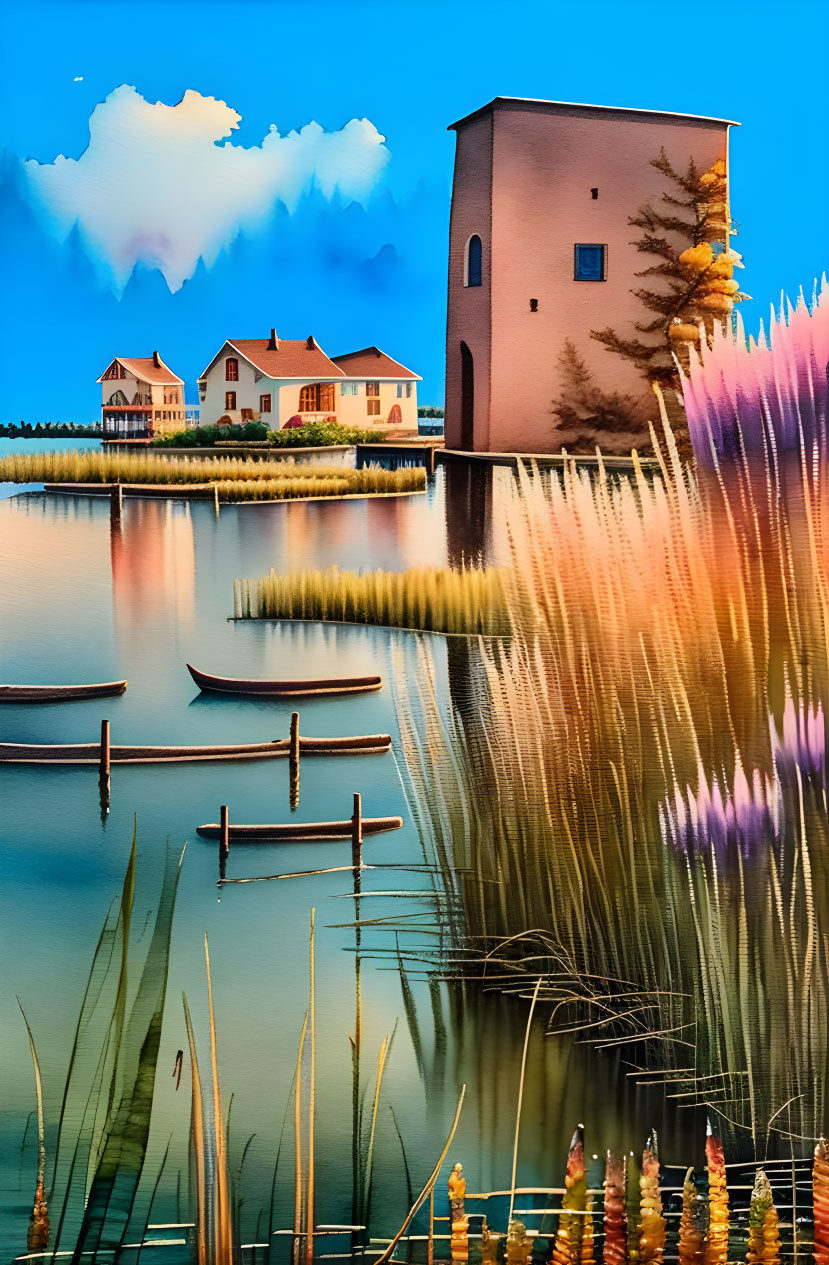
523	176
468	316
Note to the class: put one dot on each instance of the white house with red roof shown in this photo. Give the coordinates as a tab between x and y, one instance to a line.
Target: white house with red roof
283	381
141	397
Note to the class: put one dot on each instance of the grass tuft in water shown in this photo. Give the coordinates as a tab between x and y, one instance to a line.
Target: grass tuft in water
430	599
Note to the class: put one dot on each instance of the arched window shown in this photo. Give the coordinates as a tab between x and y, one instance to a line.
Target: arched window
318	397
118	399
474	260
231	369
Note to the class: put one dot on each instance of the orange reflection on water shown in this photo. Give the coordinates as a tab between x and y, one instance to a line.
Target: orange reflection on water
153	566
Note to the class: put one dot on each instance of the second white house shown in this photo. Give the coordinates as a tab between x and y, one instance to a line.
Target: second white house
282	381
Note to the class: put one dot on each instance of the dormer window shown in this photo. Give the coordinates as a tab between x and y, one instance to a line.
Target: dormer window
474	261
231	369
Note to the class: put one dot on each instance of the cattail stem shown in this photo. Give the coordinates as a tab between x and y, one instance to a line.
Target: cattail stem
309	1210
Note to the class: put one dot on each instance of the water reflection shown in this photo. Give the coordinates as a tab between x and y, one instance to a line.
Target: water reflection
153	566
469	492
89	600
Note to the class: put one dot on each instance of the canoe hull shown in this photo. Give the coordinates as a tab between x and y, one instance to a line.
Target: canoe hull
284	689
299	832
90	752
59	693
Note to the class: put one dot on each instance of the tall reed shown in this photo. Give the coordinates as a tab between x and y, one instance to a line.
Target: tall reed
435	599
629	795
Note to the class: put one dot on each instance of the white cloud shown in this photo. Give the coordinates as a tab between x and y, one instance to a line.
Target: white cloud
154	186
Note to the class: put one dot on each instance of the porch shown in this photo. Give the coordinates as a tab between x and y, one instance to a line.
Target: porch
127	420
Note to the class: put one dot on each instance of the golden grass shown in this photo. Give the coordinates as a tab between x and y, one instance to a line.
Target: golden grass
655	626
434	599
370	481
254	479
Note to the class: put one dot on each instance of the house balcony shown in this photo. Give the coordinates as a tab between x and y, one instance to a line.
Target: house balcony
132	421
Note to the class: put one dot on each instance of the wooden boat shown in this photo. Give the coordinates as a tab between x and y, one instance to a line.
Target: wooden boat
299	832
284	689
90	752
59	693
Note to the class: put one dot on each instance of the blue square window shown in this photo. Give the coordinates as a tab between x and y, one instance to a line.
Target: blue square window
591	262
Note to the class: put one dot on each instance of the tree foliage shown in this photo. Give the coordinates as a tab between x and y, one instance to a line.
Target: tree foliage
688	283
583	409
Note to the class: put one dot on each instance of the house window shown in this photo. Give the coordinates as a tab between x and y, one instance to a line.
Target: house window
474	261
591	263
317	397
408	390
231	369
264	404
400	390
349	388
230	401
373	399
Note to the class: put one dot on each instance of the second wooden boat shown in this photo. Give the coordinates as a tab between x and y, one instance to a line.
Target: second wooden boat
299	832
284	689
90	752
59	693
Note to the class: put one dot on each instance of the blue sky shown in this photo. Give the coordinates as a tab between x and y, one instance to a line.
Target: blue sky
375	271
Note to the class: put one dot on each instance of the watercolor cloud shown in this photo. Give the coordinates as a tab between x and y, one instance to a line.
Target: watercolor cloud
163	186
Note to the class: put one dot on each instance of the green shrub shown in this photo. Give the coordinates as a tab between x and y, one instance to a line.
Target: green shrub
312	435
430	410
207	436
322	434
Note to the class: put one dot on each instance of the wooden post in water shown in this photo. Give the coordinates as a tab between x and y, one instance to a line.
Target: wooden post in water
216	498
293	762
357	842
429	459
103	770
116	502
224	832
105	749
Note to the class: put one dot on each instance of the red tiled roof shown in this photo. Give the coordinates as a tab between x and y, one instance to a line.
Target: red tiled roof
370	363
293	358
144	367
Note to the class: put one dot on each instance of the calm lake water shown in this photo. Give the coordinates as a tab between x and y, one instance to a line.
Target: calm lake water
84	601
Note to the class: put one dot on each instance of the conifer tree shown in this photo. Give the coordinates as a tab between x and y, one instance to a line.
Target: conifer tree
582	409
691	279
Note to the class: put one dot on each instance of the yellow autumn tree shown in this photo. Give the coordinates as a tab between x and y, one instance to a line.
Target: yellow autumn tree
690	281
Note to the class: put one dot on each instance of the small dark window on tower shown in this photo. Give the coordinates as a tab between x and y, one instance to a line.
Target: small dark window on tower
474	260
533	305
591	262
594	193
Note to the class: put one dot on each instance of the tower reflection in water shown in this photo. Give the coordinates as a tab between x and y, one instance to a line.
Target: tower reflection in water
153	573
